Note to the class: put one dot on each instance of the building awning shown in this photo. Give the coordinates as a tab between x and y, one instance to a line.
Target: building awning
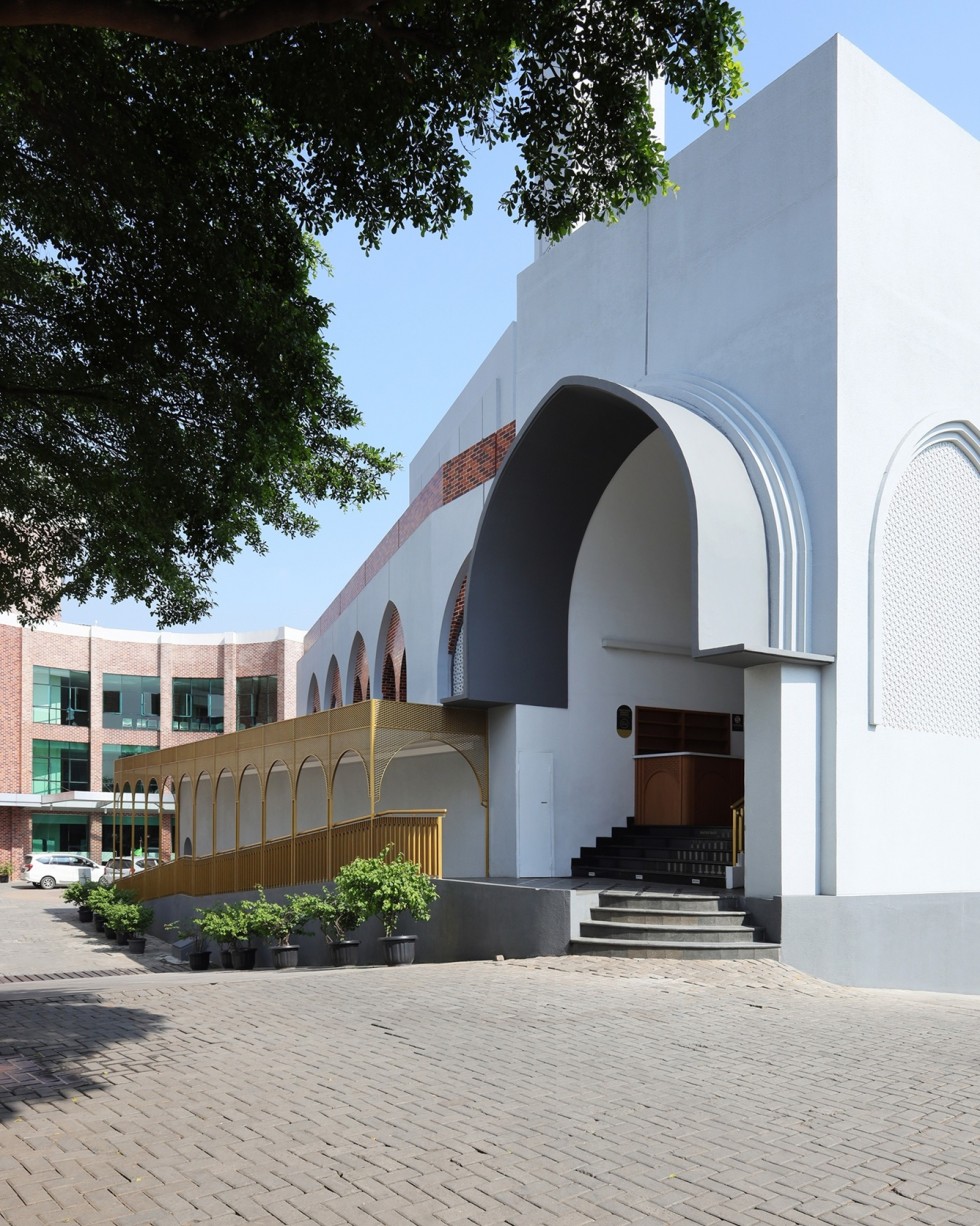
73	802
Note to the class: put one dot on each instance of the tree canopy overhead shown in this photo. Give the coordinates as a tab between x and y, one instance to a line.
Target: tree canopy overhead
166	388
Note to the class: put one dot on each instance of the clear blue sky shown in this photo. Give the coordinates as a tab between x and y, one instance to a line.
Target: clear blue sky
413	321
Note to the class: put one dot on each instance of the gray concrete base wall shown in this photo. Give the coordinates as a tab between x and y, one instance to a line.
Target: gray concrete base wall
926	942
472	920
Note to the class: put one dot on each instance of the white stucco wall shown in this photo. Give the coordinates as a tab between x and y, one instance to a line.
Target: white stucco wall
907	809
798	268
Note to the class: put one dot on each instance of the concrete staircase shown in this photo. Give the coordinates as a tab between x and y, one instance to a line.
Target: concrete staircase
682	855
628	924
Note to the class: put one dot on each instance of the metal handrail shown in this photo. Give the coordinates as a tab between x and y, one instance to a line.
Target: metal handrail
738	829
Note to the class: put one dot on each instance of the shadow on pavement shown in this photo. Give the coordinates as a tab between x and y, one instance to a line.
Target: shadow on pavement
62	1046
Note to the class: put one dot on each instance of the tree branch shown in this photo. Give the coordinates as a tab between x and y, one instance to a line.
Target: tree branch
174	24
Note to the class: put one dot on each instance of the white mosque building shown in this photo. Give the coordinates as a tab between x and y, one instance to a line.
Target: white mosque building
719	484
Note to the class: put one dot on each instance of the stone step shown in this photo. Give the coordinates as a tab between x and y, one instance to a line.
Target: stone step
662	834
734	934
603	947
622	899
653	864
679	918
685	877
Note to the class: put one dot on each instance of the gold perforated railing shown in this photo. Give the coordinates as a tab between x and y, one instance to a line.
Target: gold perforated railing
306	860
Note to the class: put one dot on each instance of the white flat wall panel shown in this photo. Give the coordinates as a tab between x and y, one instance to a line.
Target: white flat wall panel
442	779
535	813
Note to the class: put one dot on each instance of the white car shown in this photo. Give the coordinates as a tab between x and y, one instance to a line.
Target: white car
45	870
114	870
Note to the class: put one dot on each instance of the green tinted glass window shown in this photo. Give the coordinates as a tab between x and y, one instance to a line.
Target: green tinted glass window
199	704
130	701
255	701
59	766
61	696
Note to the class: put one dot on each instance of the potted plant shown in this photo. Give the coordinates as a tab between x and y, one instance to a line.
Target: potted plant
388	888
221	925
6	870
338	913
101	897
277	922
79	893
191	929
137	919
246	935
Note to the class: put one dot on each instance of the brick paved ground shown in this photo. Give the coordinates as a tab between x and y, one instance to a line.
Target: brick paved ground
547	1091
40	935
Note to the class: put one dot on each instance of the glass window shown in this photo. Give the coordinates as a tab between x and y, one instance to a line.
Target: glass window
130	702
199	704
60	696
52	834
255	701
110	756
59	766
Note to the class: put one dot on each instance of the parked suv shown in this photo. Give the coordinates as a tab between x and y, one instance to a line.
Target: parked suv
125	867
45	870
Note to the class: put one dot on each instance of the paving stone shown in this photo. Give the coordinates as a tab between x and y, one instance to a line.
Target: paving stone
558	1091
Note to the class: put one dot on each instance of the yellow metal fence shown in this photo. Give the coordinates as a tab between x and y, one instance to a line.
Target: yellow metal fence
738	829
306	859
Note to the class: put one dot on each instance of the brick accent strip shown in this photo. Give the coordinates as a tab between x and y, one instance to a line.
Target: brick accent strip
464	472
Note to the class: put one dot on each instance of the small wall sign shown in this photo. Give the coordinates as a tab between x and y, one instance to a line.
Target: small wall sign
738	723
624	721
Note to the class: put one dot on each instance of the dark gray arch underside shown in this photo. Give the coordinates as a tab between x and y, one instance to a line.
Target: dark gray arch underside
520	579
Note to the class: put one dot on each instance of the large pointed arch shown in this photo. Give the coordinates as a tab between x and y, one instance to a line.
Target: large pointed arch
527	543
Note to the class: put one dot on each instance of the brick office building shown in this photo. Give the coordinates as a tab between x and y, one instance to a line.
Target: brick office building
75	698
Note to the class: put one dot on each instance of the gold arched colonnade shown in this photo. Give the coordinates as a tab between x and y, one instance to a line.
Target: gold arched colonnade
195	782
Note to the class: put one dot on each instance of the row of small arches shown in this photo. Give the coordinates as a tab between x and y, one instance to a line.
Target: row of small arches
391	672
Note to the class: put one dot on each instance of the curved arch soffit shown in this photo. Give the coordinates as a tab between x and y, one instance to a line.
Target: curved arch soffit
929	432
540	506
444	669
428	741
779	493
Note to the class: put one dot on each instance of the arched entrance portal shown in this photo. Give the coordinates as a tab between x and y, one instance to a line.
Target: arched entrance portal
632	553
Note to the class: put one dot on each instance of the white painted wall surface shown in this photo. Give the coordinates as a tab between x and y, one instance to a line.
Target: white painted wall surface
907	804
419	580
440	777
483	406
733	279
